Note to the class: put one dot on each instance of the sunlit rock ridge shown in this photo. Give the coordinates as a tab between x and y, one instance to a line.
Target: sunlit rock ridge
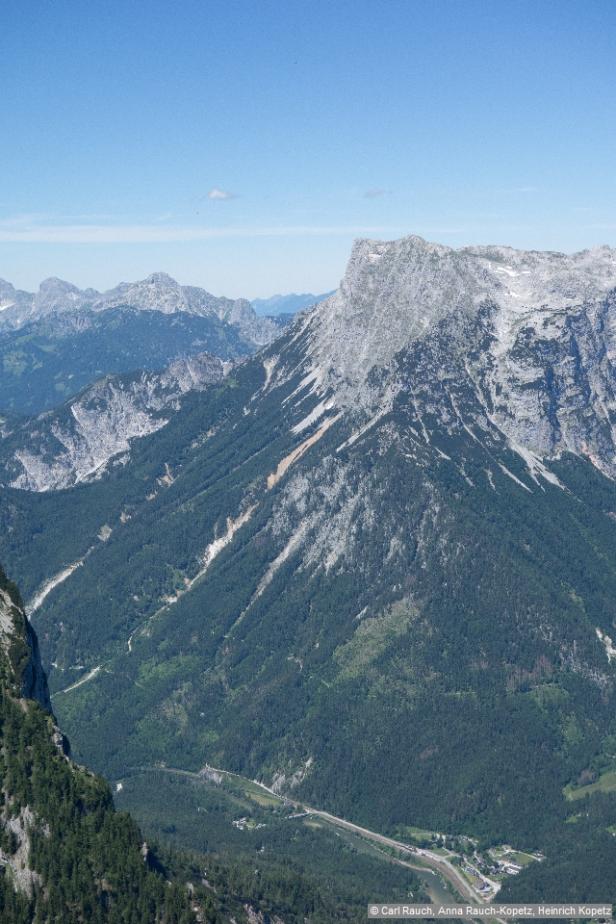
532	333
528	335
76	442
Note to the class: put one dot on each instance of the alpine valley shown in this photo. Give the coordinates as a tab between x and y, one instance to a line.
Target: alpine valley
64	853
60	339
371	566
67	857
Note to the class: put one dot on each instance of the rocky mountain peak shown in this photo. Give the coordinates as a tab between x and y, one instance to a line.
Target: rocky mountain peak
158	292
8	295
160	279
55	294
55	285
6	288
394	292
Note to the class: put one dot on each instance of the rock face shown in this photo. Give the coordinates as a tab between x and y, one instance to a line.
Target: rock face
22	670
159	292
76	442
396	292
65	854
16	301
21	676
532	333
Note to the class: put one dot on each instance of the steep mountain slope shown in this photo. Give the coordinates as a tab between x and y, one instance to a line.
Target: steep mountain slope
382	574
48	361
65	855
76	442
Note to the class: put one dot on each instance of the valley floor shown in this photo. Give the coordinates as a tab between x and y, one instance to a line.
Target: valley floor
443	880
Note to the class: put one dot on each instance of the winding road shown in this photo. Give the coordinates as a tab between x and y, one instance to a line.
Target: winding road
427	858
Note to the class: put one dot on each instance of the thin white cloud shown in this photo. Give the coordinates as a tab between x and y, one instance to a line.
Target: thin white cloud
376	193
40	219
523	190
220	195
154	234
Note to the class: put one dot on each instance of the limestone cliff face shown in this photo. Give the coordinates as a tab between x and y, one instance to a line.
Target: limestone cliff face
21	670
396	292
77	442
21	677
532	335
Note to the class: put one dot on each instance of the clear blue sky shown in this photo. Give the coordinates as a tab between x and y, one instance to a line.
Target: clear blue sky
313	122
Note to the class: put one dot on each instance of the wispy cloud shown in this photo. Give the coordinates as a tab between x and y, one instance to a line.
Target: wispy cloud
220	195
36	219
154	234
523	190
376	193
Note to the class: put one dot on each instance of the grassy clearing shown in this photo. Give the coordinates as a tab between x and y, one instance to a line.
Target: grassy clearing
605	783
311	823
262	798
410	832
522	859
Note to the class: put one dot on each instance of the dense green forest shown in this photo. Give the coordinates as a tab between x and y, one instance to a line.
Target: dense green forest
67	856
308	867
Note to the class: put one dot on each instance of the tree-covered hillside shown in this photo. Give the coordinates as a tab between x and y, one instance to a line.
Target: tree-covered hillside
68	857
65	854
447	655
49	360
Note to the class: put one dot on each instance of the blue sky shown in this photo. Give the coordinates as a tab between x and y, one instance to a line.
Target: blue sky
243	145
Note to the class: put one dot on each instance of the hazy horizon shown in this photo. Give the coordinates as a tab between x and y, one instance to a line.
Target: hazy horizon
273	292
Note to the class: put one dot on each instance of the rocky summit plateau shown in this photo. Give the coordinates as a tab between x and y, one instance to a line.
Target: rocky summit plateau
532	333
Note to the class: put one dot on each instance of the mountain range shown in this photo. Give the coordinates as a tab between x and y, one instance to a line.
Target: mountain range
372	566
287	304
159	292
62	339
